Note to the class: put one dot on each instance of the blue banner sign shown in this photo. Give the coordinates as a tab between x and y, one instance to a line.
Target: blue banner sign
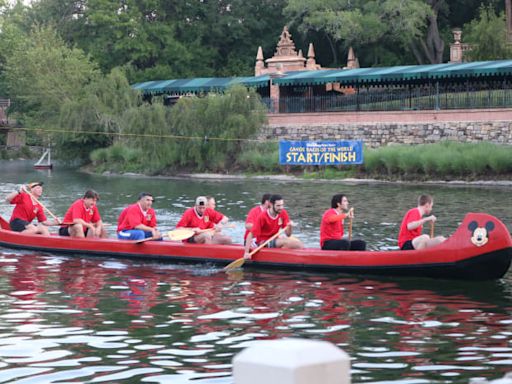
320	152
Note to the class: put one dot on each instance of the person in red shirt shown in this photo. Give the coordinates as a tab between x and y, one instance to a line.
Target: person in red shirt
410	236
215	216
83	218
331	227
27	209
270	222
198	218
255	212
138	221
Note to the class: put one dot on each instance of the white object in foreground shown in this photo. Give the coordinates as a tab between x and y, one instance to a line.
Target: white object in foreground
291	361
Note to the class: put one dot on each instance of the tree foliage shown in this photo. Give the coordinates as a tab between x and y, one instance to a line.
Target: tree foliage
203	133
487	35
60	92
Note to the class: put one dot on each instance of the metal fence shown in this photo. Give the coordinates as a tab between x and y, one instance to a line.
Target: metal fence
401	98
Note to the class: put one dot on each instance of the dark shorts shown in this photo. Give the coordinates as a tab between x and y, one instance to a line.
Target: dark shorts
271	244
191	240
407	246
63	231
18	225
344	245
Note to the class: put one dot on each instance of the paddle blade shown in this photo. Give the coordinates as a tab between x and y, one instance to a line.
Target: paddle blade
234	264
144	240
180	234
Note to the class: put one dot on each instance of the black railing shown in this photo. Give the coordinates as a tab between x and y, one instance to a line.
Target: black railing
426	97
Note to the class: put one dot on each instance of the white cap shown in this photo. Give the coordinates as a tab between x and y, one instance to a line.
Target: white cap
201	200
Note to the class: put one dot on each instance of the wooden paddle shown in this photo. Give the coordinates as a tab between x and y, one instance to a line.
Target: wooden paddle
431	229
239	262
174	235
350	225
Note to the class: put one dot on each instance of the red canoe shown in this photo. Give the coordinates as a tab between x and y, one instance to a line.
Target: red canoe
480	249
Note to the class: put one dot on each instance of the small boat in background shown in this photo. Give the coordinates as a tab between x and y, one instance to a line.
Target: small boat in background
45	162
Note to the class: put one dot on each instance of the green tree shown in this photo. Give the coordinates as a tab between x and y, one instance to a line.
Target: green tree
362	24
42	73
61	93
487	35
161	39
198	132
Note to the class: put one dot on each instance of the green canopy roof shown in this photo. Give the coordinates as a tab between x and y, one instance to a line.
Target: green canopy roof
200	84
375	75
397	74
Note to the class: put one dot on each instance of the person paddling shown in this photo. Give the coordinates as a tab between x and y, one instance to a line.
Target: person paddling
410	236
138	221
332	229
215	216
27	208
198	218
270	222
255	212
83	219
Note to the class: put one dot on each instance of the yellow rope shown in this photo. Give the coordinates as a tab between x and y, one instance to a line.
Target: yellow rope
142	135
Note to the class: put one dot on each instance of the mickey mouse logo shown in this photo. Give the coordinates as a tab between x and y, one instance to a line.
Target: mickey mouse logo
480	234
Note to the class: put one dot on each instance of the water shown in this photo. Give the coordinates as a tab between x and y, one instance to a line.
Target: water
66	319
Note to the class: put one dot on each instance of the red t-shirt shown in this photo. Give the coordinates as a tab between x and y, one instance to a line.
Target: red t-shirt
133	215
265	226
252	216
214	215
77	210
331	226
406	234
26	209
191	219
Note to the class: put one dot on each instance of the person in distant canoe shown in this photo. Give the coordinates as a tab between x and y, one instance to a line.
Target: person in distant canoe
83	219
255	212
27	209
198	218
138	221
332	229
410	236
269	223
215	216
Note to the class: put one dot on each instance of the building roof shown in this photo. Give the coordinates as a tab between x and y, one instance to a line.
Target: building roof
200	84
374	75
396	74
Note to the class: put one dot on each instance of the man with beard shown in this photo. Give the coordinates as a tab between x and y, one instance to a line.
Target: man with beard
268	224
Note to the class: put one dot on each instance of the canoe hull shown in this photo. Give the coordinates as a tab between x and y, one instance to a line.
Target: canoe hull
462	256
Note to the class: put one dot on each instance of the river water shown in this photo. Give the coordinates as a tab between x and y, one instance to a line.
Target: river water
70	319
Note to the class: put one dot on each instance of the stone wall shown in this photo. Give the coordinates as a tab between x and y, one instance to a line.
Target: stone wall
376	133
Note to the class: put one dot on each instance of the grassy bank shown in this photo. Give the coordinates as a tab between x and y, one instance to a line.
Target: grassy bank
442	161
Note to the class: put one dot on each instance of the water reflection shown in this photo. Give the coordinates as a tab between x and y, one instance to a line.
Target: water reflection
101	320
104	320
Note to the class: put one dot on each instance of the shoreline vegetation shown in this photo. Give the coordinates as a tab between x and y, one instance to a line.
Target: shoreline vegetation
443	162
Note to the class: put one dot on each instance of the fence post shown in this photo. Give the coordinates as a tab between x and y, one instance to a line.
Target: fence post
291	361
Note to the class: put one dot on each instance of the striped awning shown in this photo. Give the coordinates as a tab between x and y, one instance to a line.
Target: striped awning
198	85
398	73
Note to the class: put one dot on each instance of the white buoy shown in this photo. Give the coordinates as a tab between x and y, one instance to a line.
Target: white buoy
291	361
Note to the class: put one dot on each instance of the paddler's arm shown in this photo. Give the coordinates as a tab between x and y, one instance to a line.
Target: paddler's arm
248	241
147	228
84	223
415	224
